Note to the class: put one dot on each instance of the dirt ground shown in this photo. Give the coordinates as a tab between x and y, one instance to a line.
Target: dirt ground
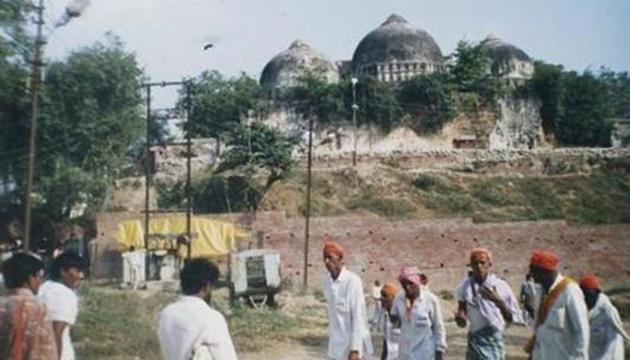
314	346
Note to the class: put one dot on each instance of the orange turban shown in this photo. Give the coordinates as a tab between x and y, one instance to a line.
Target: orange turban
545	260
390	289
479	252
333	248
591	282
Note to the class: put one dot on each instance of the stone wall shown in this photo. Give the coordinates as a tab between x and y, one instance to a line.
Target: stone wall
526	162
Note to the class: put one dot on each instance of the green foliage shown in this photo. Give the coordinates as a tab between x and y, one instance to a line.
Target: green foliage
577	107
587	109
256	157
547	84
378	103
315	97
219	103
91	114
429	100
470	72
388	207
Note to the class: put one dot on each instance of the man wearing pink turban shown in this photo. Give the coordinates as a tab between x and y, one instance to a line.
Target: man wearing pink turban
417	311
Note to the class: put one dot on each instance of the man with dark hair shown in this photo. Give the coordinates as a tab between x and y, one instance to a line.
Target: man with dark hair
59	295
25	326
189	328
607	332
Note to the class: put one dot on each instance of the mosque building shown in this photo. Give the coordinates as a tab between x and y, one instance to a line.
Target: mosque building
393	52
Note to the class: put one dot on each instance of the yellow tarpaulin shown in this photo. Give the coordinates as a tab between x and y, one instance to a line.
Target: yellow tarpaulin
210	237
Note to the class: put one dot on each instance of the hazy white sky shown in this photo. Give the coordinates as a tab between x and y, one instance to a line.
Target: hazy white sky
168	35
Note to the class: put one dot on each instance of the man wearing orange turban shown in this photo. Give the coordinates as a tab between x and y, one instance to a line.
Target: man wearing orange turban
488	304
607	332
348	332
561	330
391	334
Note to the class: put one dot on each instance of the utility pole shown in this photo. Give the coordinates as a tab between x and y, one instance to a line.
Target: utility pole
35	87
355	107
188	174
308	197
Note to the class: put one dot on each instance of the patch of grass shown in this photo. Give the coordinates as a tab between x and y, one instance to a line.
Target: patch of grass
253	329
116	323
452	203
433	183
489	192
388	207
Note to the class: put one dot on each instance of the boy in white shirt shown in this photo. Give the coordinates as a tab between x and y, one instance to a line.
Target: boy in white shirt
59	295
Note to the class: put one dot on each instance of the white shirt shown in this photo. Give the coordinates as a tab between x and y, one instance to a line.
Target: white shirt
391	335
188	325
347	317
422	329
482	312
63	305
607	332
565	332
376	292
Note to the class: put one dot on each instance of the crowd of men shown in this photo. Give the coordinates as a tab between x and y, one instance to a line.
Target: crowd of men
569	320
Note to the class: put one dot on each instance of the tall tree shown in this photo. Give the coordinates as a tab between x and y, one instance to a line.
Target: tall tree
219	103
587	109
91	114
471	73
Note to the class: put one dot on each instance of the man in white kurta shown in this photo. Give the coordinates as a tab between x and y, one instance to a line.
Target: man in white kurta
562	329
348	333
189	328
607	332
391	333
422	335
487	303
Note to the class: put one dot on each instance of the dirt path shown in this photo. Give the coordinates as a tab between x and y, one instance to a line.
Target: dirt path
515	339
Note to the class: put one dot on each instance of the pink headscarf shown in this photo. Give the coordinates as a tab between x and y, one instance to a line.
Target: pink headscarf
410	273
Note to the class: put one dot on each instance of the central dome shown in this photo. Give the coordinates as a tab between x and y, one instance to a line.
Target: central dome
397	49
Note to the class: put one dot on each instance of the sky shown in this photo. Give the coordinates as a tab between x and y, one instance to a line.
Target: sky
168	36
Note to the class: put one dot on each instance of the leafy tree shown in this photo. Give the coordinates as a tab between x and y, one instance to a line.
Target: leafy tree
91	114
470	72
316	97
378	103
261	156
587	108
618	91
547	84
429	100
219	103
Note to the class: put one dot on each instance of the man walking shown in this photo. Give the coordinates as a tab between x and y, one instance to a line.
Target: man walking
189	328
561	331
391	334
488	304
348	333
418	313
25	327
59	296
607	333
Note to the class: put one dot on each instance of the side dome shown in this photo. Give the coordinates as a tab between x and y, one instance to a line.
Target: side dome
285	69
396	51
506	60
